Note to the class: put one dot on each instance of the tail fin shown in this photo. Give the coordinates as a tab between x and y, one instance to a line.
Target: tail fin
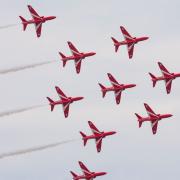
83	137
73	174
116	44
103	89
139	119
51	102
154	79
63	56
24	22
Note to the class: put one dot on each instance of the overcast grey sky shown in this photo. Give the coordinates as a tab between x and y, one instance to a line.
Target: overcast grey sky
131	154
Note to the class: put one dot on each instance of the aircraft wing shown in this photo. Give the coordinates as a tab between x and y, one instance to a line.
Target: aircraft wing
33	13
150	112
84	169
154	125
164	71
66	109
130	48
60	93
78	65
168	84
113	80
98	144
94	129
74	51
125	33
38	27
118	96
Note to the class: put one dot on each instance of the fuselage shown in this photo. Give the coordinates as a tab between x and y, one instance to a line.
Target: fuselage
41	19
79	56
155	117
90	176
120	87
100	135
68	100
168	77
134	40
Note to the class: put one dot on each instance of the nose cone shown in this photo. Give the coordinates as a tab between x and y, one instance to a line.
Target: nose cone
93	53
103	173
80	98
114	132
145	38
52	17
169	115
133	85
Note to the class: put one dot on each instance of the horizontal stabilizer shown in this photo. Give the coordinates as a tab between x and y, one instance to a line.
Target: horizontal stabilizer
103	89
51	103
83	137
63	56
73	174
24	22
139	119
154	79
116	44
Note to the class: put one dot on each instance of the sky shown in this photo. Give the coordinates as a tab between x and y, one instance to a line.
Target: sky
132	153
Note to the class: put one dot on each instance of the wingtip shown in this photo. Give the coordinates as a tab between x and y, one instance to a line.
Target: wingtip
29	6
89	122
78	71
80	162
69	42
145	104
56	87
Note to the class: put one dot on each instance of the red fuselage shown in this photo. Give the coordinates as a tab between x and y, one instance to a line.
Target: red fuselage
120	87
171	76
155	118
41	19
132	41
69	100
79	56
100	135
91	176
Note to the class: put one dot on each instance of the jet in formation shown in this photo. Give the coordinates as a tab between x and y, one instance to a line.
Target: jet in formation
116	87
166	76
152	117
129	41
77	56
87	175
97	135
64	100
36	20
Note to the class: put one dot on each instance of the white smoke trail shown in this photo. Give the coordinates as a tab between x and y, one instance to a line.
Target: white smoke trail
34	149
8	113
20	68
8	26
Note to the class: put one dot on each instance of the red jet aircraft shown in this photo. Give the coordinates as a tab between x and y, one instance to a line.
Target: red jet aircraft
97	135
64	100
77	56
166	76
129	41
87	175
152	117
36	20
116	87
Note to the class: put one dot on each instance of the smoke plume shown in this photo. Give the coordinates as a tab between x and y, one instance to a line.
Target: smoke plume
8	113
34	149
20	68
8	26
